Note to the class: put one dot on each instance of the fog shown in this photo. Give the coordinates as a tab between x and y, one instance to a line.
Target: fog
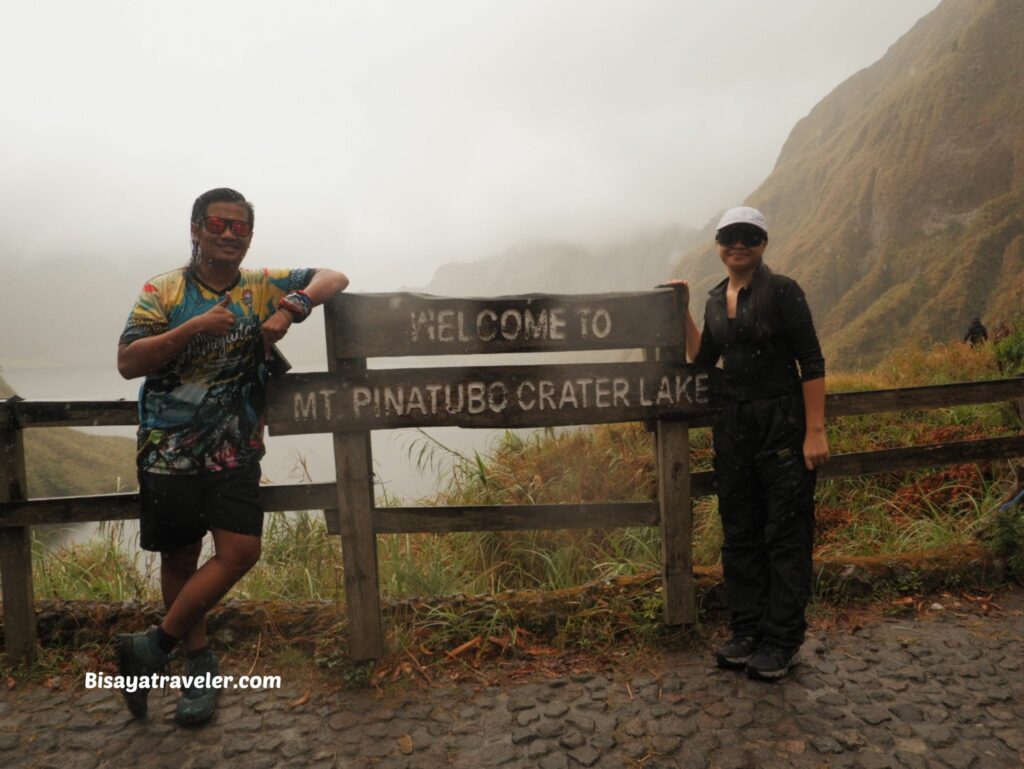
387	138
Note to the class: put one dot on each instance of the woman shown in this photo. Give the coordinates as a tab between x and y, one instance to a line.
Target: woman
768	440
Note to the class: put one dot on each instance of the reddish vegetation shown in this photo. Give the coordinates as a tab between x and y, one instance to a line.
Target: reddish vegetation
830	521
950	488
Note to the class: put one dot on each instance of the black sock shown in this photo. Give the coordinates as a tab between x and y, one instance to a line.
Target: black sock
165	640
197	653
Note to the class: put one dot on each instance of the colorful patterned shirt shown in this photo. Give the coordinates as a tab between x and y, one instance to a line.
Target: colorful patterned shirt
204	411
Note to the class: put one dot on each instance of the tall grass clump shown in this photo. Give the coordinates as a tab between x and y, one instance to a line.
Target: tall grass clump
1009	351
299	561
607	463
109	567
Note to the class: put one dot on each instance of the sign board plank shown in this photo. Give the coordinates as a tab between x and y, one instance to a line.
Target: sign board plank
385	325
505	396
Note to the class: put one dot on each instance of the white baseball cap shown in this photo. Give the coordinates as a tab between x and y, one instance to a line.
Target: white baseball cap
744	215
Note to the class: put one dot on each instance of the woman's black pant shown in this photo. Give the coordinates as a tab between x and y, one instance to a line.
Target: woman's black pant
766	500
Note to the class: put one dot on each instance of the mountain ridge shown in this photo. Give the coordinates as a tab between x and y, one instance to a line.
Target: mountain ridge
563	267
898	201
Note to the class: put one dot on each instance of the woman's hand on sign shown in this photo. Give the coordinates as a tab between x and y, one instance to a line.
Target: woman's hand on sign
815	449
672	283
274	329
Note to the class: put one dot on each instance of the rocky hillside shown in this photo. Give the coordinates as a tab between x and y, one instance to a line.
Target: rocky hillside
898	202
61	462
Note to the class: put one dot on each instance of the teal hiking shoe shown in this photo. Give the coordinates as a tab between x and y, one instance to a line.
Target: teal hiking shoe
139	654
198	701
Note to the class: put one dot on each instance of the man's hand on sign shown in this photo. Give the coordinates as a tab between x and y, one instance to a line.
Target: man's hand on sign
274	329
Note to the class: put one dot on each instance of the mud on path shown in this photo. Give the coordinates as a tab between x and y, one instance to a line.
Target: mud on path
931	689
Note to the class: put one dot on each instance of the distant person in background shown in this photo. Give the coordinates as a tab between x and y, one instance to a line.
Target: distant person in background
768	440
976	333
202	336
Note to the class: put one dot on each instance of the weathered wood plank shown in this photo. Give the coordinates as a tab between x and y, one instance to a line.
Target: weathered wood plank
675	501
676	518
915	398
446	519
42	413
16	554
382	325
488	396
917	457
67	511
930	397
899	460
321	496
353	464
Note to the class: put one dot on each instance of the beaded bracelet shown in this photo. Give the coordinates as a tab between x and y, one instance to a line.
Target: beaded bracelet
297	304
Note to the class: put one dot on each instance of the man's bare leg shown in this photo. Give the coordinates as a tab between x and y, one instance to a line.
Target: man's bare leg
234	555
175	570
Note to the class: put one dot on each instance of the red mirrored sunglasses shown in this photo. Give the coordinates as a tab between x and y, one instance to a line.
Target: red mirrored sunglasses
215	225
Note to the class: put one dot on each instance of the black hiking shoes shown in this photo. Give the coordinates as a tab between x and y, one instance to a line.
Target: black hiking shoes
770	662
138	654
198	701
735	654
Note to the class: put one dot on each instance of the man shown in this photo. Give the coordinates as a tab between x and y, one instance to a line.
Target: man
202	335
976	333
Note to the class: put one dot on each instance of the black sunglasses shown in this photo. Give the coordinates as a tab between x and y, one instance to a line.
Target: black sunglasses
747	234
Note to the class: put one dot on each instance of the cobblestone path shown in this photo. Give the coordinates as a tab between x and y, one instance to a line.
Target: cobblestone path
944	690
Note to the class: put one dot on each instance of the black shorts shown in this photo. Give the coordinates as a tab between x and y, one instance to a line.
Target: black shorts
177	510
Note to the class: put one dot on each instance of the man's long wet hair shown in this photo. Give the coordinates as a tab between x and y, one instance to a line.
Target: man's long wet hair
218	195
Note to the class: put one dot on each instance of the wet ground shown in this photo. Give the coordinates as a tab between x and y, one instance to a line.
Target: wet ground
939	689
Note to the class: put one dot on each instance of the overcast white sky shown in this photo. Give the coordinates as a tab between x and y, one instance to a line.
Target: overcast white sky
384	138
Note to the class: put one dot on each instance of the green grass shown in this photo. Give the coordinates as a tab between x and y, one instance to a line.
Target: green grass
106	568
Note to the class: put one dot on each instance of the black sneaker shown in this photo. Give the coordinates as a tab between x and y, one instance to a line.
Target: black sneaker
770	662
734	655
139	654
198	702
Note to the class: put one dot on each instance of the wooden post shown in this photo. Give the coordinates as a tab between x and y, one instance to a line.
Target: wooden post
16	549
676	511
675	501
353	464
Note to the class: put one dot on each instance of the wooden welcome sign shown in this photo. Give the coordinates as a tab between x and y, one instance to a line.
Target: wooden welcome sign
494	396
349	400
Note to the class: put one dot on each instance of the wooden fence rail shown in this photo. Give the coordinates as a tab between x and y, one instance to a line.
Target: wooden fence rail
94	508
349	400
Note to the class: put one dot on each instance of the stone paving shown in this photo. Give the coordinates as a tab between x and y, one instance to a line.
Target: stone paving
940	691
